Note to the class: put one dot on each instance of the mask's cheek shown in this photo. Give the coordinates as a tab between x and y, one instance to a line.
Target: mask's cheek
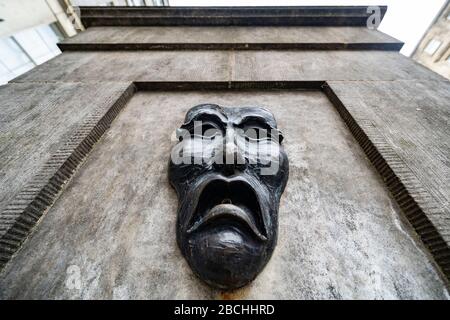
197	151
275	174
190	161
212	152
268	158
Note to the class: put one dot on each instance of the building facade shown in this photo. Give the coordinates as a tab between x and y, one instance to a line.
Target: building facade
29	33
434	49
86	207
130	3
30	30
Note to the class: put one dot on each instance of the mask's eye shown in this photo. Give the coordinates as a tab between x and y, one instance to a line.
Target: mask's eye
251	133
205	129
254	132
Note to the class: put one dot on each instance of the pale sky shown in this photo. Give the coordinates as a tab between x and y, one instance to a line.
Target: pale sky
406	20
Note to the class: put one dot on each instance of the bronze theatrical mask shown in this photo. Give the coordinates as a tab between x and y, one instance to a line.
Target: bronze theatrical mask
229	170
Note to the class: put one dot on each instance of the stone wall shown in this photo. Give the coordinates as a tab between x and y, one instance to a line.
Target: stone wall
366	210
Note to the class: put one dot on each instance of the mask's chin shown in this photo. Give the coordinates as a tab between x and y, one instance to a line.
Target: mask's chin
226	256
225	241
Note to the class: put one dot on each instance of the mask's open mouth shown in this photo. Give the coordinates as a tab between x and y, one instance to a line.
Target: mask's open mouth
233	203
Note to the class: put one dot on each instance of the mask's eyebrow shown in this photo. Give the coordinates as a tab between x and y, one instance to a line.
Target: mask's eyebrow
205	116
262	122
258	120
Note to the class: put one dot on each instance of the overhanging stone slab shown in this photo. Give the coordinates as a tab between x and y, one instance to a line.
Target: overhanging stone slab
326	66
132	66
238	38
229	16
228	66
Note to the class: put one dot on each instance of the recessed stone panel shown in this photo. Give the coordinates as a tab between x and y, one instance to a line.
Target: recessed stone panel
340	233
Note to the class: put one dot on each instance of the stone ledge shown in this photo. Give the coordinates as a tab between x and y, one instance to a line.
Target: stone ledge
228	46
227	16
231	38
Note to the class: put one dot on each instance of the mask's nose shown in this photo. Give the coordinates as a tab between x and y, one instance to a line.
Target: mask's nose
232	158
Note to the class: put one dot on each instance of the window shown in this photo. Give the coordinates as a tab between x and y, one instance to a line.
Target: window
13	61
26	49
39	43
432	46
136	2
448	60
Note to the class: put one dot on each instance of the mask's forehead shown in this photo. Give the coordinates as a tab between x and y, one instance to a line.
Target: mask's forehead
233	115
205	109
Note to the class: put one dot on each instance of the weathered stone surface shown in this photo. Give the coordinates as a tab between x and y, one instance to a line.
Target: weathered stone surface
341	235
326	66
221	37
414	117
114	221
228	65
36	119
132	66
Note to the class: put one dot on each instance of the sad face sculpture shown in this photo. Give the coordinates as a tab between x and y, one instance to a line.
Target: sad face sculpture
229	171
